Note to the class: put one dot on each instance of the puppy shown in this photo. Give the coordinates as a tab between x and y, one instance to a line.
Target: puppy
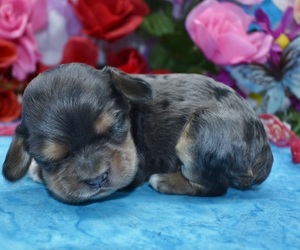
92	132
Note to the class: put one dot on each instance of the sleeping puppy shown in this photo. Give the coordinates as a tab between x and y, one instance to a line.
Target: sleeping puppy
92	132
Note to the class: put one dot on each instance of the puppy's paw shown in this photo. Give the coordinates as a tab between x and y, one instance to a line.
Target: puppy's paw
172	183
34	172
154	181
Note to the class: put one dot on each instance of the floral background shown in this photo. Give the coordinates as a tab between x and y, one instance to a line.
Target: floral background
250	45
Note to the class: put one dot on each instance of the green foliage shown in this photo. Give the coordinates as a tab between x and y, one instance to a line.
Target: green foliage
292	117
157	24
173	49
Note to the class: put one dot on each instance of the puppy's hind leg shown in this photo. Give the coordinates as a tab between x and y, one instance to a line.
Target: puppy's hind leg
192	178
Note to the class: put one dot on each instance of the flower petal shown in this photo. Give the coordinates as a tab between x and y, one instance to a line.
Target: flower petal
38	17
73	51
50	47
8	53
272	100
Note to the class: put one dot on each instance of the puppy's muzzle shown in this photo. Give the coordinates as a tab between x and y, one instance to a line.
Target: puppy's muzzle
97	182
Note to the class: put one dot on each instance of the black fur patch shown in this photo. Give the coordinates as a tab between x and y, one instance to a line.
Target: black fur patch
220	93
165	104
181	99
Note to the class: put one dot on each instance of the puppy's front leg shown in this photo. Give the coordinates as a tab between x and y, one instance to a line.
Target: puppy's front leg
35	172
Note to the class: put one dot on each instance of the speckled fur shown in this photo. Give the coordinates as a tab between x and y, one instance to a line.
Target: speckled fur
186	132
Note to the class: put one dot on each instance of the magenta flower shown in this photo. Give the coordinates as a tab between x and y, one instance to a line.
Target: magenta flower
27	57
20	19
219	29
17	15
249	2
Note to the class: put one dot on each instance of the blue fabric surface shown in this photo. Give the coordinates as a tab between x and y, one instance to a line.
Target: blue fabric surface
267	217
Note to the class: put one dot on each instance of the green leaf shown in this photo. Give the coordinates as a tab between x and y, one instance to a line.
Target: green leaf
159	57
157	24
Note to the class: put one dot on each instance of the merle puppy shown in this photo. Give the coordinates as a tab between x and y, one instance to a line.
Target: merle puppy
87	133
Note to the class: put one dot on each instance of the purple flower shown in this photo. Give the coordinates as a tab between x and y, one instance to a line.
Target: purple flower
180	7
286	31
62	24
224	77
64	9
287	26
295	102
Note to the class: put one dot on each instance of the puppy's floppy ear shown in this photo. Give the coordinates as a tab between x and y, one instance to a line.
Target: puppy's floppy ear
134	89
17	160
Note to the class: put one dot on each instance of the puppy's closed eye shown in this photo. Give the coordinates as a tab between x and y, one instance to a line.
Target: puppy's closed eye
54	151
112	123
104	122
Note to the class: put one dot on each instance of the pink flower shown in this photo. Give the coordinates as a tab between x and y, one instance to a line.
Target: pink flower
20	19
249	2
219	29
27	57
297	11
16	15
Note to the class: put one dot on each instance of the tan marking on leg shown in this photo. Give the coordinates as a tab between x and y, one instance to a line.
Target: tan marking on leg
184	145
175	183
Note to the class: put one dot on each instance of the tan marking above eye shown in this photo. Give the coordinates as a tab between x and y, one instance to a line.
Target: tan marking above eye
54	150
104	122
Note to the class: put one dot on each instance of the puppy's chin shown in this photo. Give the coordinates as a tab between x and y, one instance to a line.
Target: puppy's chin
102	193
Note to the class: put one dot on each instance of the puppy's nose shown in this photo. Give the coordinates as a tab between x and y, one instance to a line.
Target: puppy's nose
97	182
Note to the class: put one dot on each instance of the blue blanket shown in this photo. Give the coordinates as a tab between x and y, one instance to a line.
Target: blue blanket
266	217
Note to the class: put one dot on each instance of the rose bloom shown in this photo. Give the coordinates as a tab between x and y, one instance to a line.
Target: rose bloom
15	15
128	60
27	57
110	20
8	53
219	29
20	19
73	51
160	72
10	108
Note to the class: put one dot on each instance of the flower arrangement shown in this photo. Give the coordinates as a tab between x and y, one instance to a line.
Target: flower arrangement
250	45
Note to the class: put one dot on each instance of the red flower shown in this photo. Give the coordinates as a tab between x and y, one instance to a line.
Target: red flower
295	150
128	60
77	49
80	49
8	53
10	108
110	19
160	71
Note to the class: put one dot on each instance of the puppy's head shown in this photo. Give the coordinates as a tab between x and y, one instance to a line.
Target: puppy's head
75	125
